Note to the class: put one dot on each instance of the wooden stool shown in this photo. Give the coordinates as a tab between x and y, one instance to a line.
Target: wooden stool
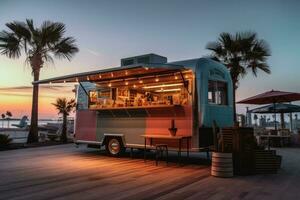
160	148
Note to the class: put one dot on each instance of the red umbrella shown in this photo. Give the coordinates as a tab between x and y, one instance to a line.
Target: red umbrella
272	96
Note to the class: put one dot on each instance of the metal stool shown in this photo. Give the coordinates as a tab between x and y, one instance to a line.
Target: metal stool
160	148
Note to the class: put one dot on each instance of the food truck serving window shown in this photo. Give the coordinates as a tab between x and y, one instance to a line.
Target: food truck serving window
145	91
217	92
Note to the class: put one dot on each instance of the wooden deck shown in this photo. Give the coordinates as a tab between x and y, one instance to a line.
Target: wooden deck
65	172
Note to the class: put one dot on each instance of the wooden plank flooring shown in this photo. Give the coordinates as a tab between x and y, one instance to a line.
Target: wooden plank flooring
66	172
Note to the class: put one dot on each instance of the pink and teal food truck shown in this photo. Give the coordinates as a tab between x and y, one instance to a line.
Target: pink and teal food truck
148	100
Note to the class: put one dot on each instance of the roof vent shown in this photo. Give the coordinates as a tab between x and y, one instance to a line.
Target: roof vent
144	59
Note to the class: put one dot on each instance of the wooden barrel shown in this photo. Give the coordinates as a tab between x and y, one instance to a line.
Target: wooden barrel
222	165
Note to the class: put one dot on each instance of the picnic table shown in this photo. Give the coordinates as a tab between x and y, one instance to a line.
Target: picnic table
179	138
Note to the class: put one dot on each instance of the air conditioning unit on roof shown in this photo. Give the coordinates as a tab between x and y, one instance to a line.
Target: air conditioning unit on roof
144	59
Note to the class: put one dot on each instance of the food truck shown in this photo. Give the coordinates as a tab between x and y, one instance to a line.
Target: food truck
149	98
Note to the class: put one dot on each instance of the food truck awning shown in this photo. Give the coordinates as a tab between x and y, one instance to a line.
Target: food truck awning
132	71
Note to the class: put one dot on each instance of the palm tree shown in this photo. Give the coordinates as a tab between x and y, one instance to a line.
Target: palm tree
241	52
3	117
8	116
39	45
64	107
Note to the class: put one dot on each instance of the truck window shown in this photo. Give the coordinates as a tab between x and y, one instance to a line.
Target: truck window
217	92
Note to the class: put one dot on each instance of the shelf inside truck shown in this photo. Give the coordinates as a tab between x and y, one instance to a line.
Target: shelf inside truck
141	111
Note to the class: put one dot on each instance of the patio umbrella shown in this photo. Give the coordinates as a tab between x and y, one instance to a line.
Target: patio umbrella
274	97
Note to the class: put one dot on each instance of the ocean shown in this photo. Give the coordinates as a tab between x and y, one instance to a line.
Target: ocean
9	123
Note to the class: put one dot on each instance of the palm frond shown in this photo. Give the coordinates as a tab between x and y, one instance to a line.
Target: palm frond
10	45
51	33
66	48
20	29
227	41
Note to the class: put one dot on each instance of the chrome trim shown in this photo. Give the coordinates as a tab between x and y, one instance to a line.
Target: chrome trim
87	142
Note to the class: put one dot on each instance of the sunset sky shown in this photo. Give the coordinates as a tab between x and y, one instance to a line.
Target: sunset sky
109	30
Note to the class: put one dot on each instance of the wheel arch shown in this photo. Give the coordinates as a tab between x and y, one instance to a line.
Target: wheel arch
106	136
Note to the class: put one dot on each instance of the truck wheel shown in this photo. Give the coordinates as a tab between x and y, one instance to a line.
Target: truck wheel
114	147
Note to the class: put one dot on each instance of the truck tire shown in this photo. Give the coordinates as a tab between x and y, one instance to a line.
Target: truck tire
114	146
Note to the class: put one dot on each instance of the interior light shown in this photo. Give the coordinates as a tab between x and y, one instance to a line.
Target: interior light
76	79
186	76
157	79
163	85
176	77
109	85
64	81
141	81
88	78
112	75
126	72
100	76
146	68
134	86
126	83
168	90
